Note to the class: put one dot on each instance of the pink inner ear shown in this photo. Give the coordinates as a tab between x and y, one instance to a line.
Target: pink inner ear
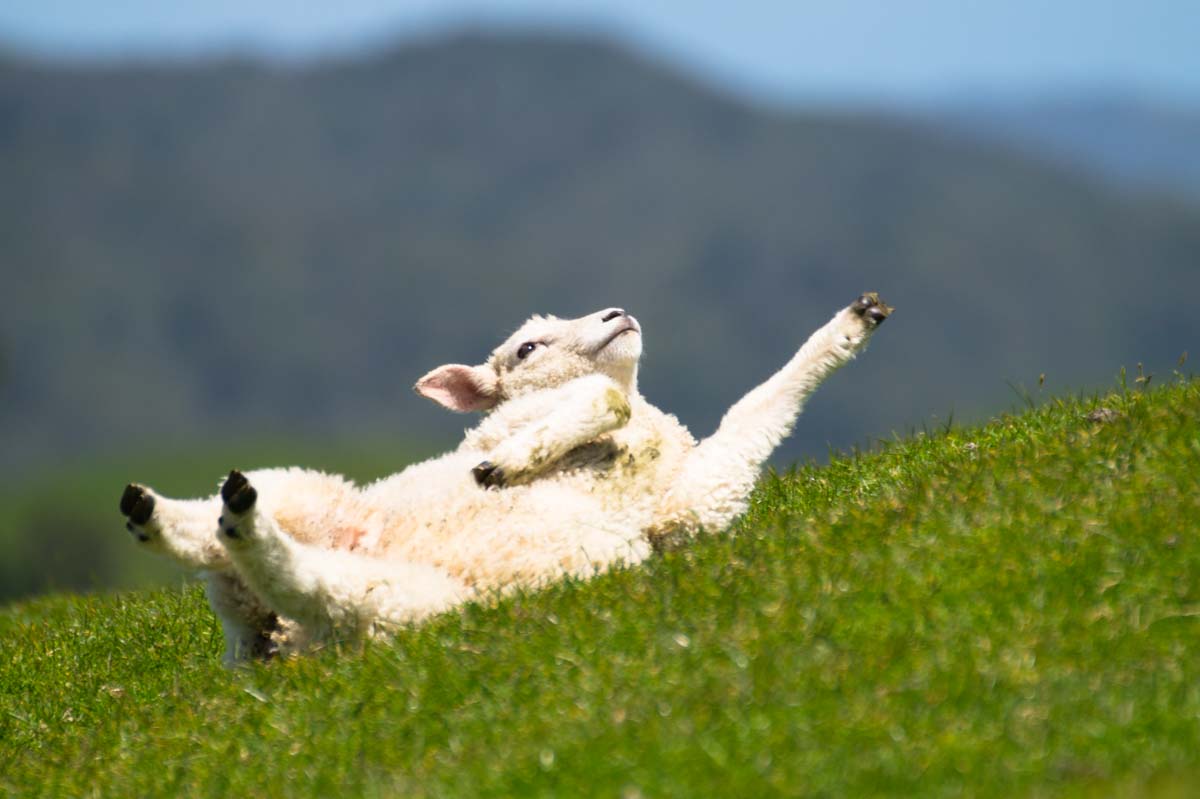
459	388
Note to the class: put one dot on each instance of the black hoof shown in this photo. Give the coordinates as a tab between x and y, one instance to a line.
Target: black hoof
488	474
138	534
137	503
237	492
870	307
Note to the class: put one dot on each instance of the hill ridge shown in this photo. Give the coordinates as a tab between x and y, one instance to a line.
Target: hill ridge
379	224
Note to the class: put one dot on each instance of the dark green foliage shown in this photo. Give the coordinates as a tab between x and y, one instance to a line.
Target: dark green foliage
1001	611
221	249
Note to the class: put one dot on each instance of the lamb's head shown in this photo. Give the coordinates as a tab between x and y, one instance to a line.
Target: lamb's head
544	353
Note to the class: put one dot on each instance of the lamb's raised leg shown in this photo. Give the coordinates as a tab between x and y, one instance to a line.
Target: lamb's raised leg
715	482
331	594
181	529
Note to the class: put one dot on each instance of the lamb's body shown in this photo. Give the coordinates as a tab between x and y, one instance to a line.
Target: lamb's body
571	472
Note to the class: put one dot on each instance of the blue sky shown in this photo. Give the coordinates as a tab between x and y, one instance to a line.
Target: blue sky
791	50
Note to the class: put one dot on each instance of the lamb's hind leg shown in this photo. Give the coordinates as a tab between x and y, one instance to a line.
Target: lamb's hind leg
715	482
330	593
181	529
248	625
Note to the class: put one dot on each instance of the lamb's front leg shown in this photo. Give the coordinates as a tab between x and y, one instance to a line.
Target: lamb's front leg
574	414
329	593
715	482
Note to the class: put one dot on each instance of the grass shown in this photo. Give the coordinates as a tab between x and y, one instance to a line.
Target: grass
1002	611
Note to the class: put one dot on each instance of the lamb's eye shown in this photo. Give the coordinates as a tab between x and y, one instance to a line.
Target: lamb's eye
525	349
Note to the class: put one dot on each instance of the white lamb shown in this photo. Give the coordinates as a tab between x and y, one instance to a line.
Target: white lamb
570	471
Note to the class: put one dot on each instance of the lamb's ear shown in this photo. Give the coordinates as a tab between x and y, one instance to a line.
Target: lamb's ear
460	388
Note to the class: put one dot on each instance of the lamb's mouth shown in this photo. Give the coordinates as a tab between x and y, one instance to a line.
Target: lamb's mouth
632	327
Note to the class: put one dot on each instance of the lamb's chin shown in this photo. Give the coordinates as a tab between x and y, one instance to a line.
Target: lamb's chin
626	348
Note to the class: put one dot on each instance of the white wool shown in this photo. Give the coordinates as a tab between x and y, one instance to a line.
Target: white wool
586	474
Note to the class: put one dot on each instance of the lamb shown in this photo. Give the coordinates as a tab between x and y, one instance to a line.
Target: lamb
570	471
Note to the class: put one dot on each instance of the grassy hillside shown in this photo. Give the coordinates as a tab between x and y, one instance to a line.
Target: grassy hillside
1009	610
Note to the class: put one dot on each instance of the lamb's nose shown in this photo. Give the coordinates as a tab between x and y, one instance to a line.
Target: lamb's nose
613	314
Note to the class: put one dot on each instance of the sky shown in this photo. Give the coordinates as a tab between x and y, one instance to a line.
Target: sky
853	49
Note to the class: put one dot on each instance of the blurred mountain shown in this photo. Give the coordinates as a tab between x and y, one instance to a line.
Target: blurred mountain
1134	141
228	249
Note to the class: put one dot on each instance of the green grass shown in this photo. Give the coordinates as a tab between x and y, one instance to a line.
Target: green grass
1008	610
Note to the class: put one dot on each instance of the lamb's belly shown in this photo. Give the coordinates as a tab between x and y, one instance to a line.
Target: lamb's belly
521	535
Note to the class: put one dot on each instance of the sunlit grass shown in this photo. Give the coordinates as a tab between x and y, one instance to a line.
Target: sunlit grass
1006	610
